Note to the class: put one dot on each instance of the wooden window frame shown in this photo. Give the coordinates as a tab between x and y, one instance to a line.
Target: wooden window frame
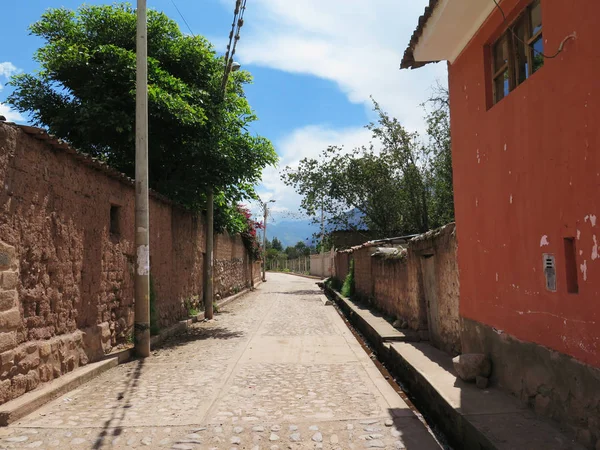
511	44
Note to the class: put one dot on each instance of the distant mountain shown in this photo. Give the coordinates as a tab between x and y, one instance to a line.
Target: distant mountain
289	232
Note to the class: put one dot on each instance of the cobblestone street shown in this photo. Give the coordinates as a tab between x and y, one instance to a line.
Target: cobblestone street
276	370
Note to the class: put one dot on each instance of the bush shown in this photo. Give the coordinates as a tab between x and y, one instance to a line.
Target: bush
348	286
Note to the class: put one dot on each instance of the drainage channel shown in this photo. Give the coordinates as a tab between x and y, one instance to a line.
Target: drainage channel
433	430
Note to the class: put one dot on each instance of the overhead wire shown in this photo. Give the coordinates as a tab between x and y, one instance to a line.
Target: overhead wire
183	18
560	47
234	37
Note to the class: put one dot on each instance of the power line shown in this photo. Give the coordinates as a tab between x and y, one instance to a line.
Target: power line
560	47
234	37
183	18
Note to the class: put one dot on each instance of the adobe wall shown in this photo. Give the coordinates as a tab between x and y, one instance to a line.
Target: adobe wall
341	263
66	285
420	286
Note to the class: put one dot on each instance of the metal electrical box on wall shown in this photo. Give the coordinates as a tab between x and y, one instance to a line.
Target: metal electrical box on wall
550	271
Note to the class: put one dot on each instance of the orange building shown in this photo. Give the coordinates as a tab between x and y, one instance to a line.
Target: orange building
525	121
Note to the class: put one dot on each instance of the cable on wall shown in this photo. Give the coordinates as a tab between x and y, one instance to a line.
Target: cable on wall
560	47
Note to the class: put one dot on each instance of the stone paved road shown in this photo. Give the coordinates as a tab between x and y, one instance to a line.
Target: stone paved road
276	370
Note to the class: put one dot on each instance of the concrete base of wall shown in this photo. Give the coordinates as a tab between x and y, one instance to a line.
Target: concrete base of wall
553	384
469	417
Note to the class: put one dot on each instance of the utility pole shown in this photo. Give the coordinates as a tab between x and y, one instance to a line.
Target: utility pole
264	264
208	257
322	239
142	241
230	66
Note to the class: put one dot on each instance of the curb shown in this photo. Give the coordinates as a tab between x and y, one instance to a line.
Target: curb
14	410
469	423
27	403
312	277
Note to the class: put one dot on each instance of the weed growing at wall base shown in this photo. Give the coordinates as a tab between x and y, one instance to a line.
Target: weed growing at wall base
348	286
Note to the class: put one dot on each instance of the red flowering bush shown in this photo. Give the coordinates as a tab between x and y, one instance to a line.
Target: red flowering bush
247	230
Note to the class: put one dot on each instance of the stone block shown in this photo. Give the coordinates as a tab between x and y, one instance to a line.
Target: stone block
45	372
5	391
33	380
7	256
10	279
8	341
18	385
8	300
482	382
541	404
471	365
45	349
10	320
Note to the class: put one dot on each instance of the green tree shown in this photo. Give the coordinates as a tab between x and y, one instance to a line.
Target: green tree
302	249
397	185
84	93
439	149
277	245
385	184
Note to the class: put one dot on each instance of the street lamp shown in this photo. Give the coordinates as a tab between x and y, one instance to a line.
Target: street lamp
264	264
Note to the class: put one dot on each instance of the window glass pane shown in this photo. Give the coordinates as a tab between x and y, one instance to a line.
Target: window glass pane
501	86
500	53
538	49
520	50
536	17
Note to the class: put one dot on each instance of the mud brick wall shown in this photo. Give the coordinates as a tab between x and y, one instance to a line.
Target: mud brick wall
420	288
341	265
396	289
437	250
67	259
363	279
232	266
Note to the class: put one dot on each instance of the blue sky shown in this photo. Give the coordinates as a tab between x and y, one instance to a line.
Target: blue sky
315	63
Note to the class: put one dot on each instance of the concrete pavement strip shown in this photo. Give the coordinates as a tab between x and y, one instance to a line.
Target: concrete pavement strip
471	418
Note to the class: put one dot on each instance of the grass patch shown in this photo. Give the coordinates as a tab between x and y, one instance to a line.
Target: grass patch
348	286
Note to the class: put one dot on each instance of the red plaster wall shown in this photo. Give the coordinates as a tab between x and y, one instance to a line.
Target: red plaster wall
525	168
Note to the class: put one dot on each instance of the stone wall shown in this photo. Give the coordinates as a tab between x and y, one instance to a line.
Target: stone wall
418	286
555	385
67	259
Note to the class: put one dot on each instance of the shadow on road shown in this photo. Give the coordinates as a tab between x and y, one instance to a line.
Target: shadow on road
112	427
301	292
197	333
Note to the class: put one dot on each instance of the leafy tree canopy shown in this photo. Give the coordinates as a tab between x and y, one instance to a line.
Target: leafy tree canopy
399	184
84	93
276	244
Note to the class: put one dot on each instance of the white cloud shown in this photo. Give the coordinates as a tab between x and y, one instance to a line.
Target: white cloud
306	142
10	114
355	43
7	69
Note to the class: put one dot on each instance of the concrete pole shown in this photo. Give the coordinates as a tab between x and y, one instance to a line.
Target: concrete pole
264	264
142	241
208	257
